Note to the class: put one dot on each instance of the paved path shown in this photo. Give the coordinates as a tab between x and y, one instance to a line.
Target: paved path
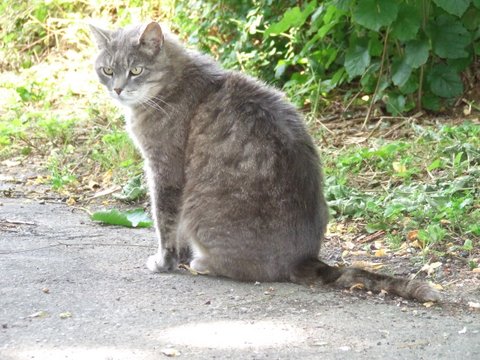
71	289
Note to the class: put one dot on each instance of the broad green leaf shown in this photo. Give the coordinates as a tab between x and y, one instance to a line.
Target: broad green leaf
431	102
293	17
471	19
416	53
410	86
130	218
454	7
461	64
395	103
133	190
449	37
408	21
476	3
373	14
280	68
401	73
342	4
375	46
357	60
444	81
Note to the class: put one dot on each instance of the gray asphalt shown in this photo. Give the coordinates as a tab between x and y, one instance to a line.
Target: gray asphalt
73	289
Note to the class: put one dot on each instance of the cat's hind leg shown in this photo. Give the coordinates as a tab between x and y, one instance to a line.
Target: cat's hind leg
201	266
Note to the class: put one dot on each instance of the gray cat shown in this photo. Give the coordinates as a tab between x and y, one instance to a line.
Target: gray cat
234	178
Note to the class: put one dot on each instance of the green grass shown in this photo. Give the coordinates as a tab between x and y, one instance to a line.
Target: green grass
428	183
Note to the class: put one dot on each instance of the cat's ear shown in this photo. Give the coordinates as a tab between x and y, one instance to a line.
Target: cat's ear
151	38
102	37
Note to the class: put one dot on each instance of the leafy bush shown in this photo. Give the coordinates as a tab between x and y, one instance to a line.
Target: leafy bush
408	53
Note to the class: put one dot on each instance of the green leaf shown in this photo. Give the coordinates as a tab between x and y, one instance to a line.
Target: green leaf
130	218
461	64
293	17
444	81
373	14
133	190
416	53
476	3
342	4
431	102
410	86
436	164
471	19
468	245
449	37
357	60
375	46
454	7
401	73
396	103
408	21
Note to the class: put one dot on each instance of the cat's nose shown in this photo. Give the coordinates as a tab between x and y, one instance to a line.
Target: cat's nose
118	90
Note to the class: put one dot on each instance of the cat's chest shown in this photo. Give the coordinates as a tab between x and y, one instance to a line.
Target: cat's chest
140	129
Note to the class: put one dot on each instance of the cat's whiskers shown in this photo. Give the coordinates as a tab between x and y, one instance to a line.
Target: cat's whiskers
163	102
152	104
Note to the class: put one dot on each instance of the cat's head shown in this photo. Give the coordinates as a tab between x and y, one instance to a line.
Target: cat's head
128	63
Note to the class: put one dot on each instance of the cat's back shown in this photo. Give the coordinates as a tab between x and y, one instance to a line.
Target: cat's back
247	141
245	107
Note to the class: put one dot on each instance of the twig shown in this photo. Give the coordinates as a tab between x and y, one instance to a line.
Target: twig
375	93
105	192
396	127
367	238
374	129
18	222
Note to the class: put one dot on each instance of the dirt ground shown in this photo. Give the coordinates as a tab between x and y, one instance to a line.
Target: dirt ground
74	289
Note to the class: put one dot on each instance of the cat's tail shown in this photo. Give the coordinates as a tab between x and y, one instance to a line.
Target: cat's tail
312	270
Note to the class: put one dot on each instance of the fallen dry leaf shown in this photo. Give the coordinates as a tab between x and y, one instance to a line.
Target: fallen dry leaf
358	286
476	270
380	252
412	235
474	305
417	244
348	245
436	286
65	315
399	167
170	352
38	314
430	268
366	264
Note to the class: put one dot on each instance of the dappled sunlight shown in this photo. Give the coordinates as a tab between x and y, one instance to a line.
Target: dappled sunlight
234	334
80	353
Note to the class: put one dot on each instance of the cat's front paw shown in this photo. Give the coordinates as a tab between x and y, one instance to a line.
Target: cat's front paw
161	262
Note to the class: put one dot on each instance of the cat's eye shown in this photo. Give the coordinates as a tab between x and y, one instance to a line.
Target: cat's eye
136	70
107	71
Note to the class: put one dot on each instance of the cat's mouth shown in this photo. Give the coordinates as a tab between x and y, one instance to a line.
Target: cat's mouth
125	97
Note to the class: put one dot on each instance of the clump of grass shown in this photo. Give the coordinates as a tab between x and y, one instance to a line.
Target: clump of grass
428	185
